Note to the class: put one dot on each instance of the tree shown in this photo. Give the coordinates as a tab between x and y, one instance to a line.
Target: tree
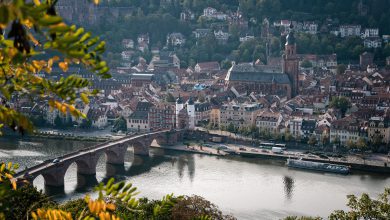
306	64
195	207
24	200
38	120
58	123
312	140
170	97
336	140
86	124
37	40
365	207
324	139
350	144
287	136
361	144
201	97
341	103
120	124
376	141
340	69
231	128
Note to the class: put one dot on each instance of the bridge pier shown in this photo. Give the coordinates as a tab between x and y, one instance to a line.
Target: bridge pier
86	165
85	181
116	155
55	176
115	169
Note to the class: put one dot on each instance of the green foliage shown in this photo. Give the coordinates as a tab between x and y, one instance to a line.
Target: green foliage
196	207
120	124
75	207
165	206
231	128
38	120
302	218
312	140
350	144
340	69
365	207
22	201
120	192
306	64
341	103
170	97
36	31
58	123
86	124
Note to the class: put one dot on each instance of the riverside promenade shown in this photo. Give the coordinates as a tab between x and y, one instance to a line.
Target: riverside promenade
244	147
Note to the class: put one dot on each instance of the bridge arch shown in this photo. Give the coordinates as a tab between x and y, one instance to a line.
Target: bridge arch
141	146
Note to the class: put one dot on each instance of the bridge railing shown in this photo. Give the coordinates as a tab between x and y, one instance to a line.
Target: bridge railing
48	161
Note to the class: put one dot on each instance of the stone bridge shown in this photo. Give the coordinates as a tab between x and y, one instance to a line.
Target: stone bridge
86	159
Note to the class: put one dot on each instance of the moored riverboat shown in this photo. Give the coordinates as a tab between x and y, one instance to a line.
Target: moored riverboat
318	166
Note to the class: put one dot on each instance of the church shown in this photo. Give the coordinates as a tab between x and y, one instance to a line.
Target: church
268	80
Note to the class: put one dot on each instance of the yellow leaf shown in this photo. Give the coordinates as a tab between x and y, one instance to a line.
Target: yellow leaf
111	206
37	2
71	108
50	62
84	97
13	182
63	109
96	2
9	176
51	103
63	66
48	69
29	24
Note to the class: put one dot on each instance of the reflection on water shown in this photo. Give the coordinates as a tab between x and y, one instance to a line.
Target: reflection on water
245	187
288	186
185	160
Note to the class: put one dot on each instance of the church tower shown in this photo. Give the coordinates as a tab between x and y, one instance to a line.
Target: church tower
178	108
291	62
191	113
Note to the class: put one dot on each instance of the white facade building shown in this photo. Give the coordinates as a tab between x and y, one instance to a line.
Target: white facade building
350	30
295	125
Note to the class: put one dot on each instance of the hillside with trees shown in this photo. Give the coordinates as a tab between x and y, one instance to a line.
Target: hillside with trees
159	18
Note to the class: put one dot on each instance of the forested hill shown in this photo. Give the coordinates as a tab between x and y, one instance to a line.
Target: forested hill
368	13
159	18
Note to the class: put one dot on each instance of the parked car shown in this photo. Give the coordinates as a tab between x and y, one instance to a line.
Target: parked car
56	160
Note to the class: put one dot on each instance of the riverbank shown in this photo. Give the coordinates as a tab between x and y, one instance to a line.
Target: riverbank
254	152
194	148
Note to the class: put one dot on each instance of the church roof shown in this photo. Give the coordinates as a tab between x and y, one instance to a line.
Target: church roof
248	72
179	100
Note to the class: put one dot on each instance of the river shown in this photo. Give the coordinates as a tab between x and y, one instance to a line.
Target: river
247	188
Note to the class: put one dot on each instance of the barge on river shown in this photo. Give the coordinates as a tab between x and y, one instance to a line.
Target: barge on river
318	166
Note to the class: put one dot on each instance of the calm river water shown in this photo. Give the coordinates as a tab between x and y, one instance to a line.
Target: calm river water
244	187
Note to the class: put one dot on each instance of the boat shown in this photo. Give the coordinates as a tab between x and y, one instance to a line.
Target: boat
318	166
